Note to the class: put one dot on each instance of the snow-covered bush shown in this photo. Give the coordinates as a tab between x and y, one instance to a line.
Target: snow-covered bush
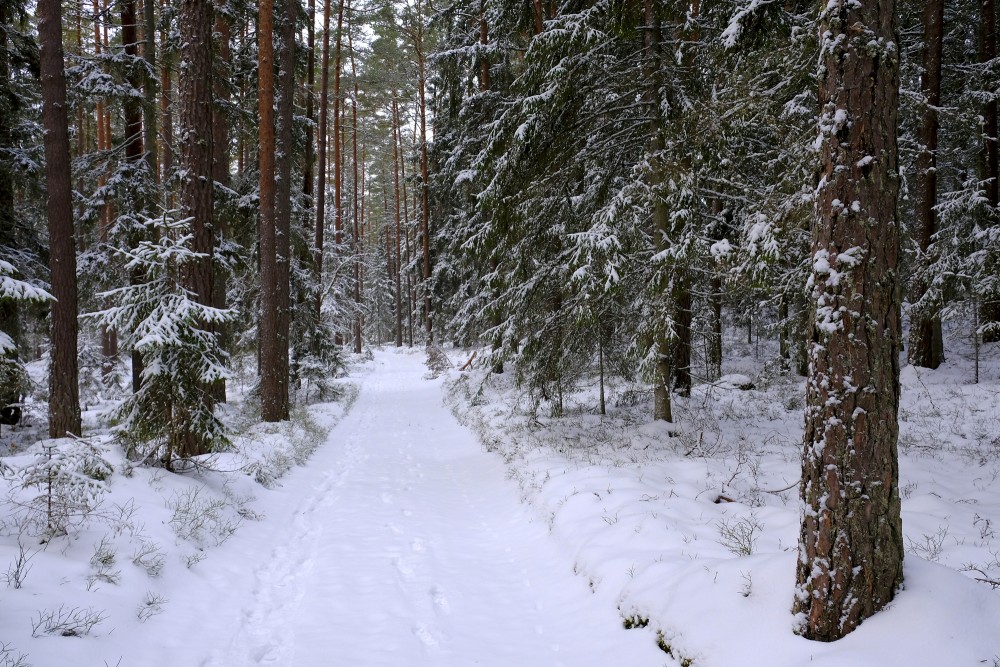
12	376
163	320
70	476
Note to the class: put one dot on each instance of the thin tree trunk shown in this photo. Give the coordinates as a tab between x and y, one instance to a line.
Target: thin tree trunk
484	41
196	187
220	173
396	168
990	309
166	111
926	340
851	542
538	14
64	392
324	102
356	242
660	215
133	154
425	203
310	94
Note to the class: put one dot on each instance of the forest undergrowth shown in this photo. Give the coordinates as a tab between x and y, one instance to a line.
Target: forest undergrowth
691	528
93	541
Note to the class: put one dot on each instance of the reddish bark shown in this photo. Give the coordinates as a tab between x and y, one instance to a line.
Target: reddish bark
64	392
851	542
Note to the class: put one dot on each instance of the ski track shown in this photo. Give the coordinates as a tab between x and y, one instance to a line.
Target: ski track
409	547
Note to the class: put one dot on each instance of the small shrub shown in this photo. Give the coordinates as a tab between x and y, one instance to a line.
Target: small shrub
202	520
149	557
151	605
739	536
18	569
74	622
103	561
9	657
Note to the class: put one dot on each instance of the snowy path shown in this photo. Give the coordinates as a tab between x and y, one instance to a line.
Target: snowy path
407	546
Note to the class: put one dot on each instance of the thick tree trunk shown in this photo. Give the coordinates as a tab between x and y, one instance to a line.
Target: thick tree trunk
10	321
283	188
274	404
64	391
196	186
851	543
926	340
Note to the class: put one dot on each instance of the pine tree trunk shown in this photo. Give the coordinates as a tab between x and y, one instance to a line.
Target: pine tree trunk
851	542
682	331
399	284
10	321
196	187
273	403
64	391
926	340
133	154
283	189
166	111
356	240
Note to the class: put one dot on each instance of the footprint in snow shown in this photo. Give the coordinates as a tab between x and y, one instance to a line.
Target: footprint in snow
403	567
417	546
424	635
440	601
387	498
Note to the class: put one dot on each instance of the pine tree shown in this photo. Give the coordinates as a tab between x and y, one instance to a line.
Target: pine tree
64	395
851	541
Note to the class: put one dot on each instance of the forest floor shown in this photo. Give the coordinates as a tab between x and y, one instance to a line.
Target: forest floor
515	538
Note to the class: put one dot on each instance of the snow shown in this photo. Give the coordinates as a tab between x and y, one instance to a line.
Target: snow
502	537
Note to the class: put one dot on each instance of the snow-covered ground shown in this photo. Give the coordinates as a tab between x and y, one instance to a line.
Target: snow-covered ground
693	528
517	538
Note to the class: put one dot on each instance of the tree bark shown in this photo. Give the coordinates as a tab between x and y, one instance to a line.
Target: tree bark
283	188
851	542
196	186
64	391
398	259
926	340
166	111
356	236
133	154
274	405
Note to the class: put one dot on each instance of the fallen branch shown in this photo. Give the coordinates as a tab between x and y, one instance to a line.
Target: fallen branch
468	364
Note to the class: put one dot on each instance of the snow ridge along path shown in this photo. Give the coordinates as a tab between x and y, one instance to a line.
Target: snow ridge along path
406	546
